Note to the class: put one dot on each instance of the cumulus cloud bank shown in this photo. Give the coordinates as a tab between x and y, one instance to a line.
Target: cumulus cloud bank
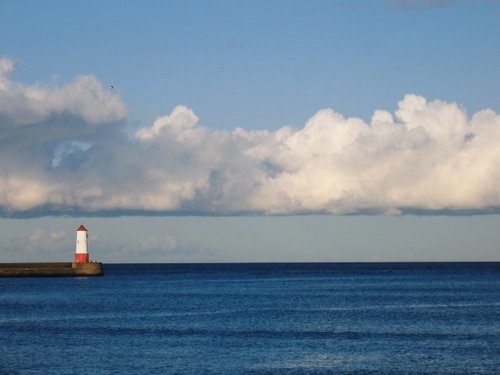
64	150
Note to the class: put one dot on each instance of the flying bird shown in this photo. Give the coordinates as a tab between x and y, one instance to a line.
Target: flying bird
111	87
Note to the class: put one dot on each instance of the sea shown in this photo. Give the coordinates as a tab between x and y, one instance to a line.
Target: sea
259	318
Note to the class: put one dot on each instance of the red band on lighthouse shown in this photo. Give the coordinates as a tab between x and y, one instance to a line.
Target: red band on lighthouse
81	258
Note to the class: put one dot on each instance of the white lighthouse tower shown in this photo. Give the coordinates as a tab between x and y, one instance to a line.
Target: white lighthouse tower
82	253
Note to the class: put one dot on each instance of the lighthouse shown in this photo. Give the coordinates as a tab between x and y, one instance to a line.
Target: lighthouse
82	253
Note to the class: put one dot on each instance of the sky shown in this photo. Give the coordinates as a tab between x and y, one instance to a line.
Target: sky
232	131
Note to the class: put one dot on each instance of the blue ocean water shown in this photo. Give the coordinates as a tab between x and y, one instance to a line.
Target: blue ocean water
320	318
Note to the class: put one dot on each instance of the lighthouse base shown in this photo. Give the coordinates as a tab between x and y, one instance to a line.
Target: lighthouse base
87	269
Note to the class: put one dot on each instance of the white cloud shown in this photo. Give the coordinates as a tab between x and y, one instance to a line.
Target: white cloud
180	125
84	97
427	155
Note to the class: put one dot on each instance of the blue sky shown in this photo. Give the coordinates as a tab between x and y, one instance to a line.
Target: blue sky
261	64
340	117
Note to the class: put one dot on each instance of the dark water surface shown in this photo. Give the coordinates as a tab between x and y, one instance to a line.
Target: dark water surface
434	318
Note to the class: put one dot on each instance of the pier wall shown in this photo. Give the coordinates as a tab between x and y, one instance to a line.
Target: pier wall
50	269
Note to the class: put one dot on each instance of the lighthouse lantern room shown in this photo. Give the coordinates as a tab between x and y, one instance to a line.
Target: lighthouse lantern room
81	254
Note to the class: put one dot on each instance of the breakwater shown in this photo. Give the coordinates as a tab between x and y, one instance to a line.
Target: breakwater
50	269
